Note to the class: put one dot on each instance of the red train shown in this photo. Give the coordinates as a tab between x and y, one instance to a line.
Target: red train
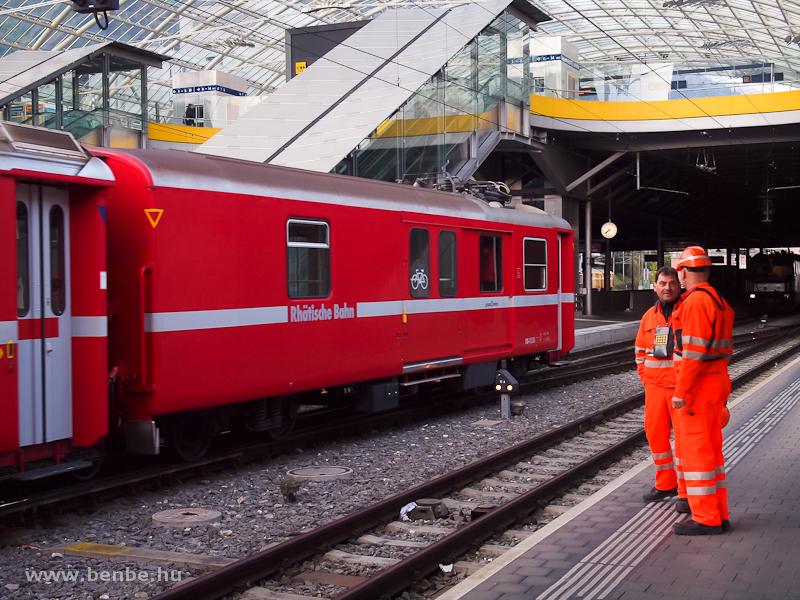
164	296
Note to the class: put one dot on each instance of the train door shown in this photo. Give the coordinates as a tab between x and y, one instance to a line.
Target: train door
431	311
558	303
43	311
487	304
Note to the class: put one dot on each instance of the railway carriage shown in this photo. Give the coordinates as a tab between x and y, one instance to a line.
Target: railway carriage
237	292
53	357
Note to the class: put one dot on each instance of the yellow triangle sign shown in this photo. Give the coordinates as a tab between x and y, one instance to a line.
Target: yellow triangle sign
154	215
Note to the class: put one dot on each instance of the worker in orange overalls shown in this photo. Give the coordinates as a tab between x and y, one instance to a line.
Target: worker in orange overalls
654	347
704	342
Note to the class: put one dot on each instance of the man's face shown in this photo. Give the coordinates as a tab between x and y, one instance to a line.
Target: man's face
667	288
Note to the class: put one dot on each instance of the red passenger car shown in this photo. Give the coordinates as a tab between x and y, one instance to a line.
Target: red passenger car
239	291
53	357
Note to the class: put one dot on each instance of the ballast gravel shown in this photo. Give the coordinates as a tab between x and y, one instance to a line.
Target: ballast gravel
254	514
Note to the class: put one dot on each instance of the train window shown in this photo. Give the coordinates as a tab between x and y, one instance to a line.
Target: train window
535	263
58	272
491	263
23	274
419	262
308	259
448	264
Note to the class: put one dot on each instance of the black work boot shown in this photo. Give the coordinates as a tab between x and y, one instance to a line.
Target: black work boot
726	526
682	506
694	528
656	494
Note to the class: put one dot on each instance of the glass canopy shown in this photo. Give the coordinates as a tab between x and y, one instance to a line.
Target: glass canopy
246	37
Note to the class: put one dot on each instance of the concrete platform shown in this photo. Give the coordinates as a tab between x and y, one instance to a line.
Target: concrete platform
594	331
613	546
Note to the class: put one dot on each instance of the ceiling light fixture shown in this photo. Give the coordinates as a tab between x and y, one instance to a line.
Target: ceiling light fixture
726	44
687	3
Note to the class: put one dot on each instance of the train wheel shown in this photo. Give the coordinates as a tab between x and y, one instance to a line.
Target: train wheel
191	435
91	472
285	429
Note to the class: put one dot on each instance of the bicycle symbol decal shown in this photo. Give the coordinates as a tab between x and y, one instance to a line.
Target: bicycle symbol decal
419	280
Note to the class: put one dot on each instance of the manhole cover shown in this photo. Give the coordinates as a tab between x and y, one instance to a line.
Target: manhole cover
321	473
186	516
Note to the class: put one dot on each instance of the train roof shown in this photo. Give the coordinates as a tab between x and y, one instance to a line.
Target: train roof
186	170
34	152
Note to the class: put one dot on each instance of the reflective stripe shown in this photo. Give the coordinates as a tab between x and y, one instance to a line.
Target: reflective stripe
722	483
8	332
689	258
720	470
269	315
520	301
662	455
703	356
701	491
89	327
699	475
697	341
678	462
638	350
666	467
723	344
214	319
639	361
659	364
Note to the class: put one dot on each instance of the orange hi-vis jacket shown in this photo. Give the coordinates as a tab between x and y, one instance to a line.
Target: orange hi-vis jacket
703	338
659	371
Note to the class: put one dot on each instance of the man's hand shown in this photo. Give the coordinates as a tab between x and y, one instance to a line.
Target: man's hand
678	402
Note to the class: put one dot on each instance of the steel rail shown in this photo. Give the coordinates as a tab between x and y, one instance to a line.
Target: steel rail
251	451
396	578
215	585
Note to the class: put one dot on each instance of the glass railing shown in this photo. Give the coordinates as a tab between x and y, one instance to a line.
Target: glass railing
638	82
87	119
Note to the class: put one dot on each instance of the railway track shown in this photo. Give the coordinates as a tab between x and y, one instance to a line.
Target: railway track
317	427
518	482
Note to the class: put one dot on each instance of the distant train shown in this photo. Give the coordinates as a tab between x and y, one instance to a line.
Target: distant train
162	297
773	282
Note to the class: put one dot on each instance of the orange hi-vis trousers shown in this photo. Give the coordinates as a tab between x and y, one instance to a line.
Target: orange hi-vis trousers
698	449
657	425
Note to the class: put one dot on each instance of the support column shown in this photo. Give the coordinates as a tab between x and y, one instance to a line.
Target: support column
145	113
59	103
34	105
607	270
76	91
659	243
106	89
587	258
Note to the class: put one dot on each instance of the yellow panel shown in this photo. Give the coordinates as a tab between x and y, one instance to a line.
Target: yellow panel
180	133
431	125
99	549
664	109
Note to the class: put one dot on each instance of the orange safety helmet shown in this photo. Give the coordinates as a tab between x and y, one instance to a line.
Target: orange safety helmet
726	416
693	256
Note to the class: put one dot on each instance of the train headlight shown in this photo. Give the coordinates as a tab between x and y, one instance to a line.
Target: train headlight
498	387
752	295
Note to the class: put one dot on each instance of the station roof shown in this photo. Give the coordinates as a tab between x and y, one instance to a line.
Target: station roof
246	37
